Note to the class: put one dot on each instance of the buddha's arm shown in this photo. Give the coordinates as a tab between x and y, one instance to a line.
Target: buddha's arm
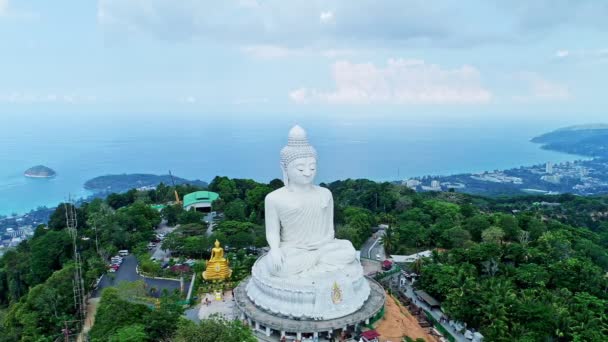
273	224
331	216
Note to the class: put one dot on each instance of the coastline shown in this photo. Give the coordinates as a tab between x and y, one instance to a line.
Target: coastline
36	176
415	159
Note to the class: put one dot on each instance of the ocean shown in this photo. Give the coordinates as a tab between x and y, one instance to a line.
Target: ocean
200	147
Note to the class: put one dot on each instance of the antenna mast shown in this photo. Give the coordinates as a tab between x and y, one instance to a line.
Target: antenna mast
71	220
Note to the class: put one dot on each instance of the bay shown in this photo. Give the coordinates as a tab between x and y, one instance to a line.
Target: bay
203	146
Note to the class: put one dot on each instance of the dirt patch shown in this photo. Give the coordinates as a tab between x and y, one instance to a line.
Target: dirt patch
398	322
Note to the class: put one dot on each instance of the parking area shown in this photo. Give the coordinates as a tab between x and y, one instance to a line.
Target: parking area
128	272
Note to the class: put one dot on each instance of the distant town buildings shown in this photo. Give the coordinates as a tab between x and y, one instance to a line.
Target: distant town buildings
553	179
412	183
497	177
12	237
549	168
435	186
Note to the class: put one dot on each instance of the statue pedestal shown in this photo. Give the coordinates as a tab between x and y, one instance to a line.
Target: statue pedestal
217	270
277	325
321	296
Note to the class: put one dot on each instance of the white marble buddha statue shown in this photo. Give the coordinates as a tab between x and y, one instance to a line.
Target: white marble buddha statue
299	217
307	272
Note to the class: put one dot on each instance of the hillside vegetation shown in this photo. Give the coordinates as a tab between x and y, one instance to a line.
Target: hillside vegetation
517	269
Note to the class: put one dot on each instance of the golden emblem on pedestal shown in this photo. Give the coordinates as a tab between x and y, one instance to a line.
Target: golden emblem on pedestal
217	266
336	294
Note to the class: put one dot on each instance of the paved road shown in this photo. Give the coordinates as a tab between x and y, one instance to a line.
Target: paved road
127	272
158	253
373	246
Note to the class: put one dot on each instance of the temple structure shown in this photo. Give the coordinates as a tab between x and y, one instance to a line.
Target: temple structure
218	267
309	281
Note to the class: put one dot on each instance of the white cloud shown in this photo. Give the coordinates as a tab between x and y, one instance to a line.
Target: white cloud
582	54
187	99
271	51
401	81
248	3
539	88
3	6
17	97
299	95
268	51
251	100
335	53
296	22
326	17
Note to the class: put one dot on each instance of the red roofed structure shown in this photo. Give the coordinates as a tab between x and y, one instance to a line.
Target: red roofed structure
370	336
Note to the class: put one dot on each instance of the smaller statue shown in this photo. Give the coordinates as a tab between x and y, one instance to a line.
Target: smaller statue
217	253
217	266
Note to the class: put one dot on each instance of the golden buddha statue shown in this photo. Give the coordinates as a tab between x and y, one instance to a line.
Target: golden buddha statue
217	266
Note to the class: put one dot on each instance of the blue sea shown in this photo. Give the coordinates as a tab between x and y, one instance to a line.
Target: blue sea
203	146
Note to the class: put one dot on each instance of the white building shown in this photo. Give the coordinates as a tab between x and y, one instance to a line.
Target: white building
412	183
553	179
549	168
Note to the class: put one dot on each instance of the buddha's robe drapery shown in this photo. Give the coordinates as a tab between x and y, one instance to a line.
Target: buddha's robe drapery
307	233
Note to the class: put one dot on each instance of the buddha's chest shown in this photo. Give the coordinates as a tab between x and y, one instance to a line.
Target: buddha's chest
312	203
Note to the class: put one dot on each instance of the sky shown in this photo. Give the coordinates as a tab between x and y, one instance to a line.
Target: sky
530	59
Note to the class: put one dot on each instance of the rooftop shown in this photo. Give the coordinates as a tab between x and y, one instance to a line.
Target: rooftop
200	197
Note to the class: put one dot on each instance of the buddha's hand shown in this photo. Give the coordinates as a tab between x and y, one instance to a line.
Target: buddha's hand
276	259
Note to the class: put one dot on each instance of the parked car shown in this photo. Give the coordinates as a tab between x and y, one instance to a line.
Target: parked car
123	252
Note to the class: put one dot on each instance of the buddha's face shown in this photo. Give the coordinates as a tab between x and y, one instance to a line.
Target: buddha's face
302	171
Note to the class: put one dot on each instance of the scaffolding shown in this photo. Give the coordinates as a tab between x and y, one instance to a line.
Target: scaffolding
80	303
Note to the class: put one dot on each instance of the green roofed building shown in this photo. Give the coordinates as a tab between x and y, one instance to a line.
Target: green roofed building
200	200
158	207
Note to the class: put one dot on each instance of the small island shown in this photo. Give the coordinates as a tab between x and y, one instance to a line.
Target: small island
40	171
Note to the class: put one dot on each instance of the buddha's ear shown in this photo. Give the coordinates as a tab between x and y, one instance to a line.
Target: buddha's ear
285	178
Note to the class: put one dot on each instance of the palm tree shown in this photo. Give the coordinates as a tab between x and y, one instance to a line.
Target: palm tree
388	240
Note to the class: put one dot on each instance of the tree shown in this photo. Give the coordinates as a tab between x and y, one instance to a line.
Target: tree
190	216
57	219
276	184
130	333
212	330
475	225
509	225
236	210
388	240
455	238
48	253
171	213
493	234
255	200
225	187
45	308
114	313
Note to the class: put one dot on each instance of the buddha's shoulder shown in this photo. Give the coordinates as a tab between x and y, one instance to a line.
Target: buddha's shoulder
276	194
283	192
322	190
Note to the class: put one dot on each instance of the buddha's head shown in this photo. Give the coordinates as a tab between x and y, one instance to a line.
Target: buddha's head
298	159
217	244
